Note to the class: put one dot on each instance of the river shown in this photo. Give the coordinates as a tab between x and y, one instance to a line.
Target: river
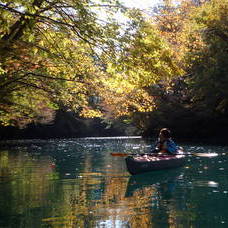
77	183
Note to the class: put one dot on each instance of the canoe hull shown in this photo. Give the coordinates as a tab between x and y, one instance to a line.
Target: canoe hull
141	164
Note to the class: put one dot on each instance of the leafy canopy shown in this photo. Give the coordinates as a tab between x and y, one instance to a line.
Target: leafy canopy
49	55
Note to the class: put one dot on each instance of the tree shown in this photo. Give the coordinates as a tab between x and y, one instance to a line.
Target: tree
48	55
208	62
203	111
144	60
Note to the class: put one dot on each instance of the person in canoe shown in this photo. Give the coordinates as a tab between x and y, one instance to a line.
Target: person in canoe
165	144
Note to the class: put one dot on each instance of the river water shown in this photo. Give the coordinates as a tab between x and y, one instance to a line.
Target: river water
77	183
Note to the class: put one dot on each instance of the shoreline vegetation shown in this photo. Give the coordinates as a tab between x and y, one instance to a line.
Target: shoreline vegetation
66	72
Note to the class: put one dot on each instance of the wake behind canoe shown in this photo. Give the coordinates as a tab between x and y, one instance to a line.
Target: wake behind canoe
147	163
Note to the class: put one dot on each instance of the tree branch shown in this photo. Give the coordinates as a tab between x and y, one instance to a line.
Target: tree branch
36	87
52	78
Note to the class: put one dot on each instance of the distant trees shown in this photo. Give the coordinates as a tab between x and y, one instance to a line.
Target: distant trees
178	58
200	44
209	62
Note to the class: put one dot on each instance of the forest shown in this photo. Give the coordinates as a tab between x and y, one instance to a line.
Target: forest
97	68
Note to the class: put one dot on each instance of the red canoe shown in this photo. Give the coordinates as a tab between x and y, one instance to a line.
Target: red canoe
146	163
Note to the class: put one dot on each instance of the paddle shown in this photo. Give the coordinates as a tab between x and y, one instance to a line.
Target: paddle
208	155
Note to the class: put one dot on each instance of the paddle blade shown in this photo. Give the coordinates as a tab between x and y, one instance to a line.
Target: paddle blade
119	154
208	155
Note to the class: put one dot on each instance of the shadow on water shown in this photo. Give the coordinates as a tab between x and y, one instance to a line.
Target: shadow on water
156	178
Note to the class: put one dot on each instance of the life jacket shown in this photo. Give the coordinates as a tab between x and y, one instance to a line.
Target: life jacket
171	146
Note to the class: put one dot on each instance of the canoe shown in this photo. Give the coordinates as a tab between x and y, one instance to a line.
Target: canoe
146	163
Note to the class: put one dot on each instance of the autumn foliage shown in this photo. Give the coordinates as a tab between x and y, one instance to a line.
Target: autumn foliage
63	55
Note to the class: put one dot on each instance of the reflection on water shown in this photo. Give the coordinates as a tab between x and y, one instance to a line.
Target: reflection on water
77	183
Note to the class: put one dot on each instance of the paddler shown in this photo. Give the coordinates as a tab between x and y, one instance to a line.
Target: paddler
165	144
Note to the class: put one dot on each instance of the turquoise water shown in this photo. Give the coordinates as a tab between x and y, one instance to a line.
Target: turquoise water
77	183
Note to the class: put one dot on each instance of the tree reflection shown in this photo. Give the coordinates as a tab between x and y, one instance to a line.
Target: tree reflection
81	191
25	183
89	188
99	200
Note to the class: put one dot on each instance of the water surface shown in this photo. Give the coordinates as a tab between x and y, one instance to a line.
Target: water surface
77	183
